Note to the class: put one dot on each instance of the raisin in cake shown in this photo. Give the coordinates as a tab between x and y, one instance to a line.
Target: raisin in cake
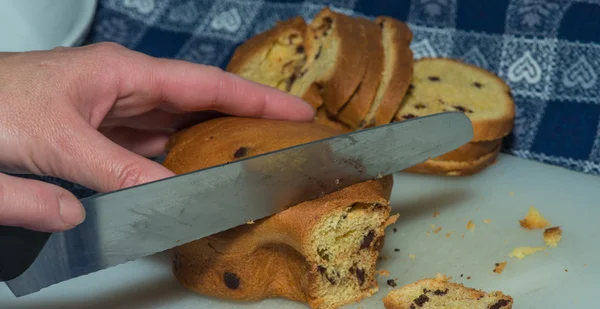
439	292
441	84
273	57
322	252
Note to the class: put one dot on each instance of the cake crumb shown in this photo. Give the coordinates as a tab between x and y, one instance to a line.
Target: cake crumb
437	230
412	256
552	236
499	267
383	272
468	277
471	226
250	222
449	234
506	241
395	230
436	213
566	270
397	250
511	194
427	233
487	221
462	236
534	220
382	258
522	252
432	226
461	275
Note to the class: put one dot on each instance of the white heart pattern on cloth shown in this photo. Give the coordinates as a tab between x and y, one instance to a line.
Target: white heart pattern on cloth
580	73
185	13
475	57
143	6
525	68
422	49
229	20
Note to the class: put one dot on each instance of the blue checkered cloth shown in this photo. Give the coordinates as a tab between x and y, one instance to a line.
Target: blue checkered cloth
548	51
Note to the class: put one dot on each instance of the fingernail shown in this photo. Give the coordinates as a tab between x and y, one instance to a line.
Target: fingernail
71	210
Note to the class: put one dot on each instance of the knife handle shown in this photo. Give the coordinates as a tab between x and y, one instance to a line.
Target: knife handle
19	247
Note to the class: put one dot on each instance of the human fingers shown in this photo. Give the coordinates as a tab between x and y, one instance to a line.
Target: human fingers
37	205
146	82
143	142
158	119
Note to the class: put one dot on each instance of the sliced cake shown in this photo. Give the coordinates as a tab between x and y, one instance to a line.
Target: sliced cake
273	57
441	84
355	112
336	61
440	293
321	252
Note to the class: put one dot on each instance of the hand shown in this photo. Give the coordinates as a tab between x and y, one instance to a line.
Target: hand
91	114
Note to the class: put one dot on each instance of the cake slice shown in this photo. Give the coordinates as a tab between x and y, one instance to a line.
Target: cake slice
440	293
441	84
455	168
322	252
397	71
355	111
471	151
273	57
336	61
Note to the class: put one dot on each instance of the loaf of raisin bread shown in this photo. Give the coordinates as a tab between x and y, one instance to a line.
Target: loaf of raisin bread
336	61
322	252
441	84
273	57
440	293
355	112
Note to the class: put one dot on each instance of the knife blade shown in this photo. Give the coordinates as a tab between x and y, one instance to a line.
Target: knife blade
127	224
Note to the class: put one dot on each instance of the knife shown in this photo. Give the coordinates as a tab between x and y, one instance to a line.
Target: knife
127	224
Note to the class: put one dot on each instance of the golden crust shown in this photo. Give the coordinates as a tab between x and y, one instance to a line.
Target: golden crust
455	168
471	151
354	113
402	72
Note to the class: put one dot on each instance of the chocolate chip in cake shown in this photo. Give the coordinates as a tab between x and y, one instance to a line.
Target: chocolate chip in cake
411	87
321	269
231	280
440	292
290	81
409	116
499	304
381	25
478	85
300	49
242	151
421	300
391	283
434	78
420	106
442	102
360	275
367	240
412	306
318	53
425	291
463	109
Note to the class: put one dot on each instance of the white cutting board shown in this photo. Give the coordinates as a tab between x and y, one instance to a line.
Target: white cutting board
565	277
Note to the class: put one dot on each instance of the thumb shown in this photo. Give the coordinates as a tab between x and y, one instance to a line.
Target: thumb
37	205
98	163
